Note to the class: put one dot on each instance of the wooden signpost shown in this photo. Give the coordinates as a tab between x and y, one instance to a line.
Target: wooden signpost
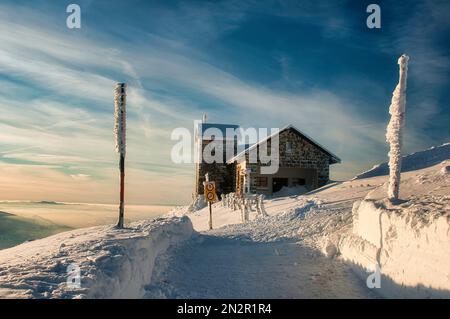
210	196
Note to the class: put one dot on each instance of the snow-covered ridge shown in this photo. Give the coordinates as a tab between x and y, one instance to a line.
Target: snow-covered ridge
412	162
114	263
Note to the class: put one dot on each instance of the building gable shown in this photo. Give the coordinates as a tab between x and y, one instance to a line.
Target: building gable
309	144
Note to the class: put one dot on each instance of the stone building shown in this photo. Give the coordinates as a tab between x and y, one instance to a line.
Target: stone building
302	162
219	171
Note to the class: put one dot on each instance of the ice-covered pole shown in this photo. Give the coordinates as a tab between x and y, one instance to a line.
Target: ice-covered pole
120	134
394	129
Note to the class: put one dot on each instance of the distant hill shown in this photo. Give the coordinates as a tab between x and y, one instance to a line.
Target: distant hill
15	229
412	162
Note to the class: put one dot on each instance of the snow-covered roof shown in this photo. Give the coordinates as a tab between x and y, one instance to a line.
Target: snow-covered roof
333	158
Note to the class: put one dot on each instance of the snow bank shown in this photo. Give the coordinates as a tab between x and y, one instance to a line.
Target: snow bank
291	191
114	263
197	204
410	241
411	162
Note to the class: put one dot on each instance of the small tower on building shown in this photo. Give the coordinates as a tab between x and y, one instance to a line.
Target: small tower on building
219	143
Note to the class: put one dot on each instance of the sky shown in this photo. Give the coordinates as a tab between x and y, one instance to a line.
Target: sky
312	64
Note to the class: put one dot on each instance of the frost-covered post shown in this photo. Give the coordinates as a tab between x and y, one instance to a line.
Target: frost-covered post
261	205
258	208
247	209
394	129
233	201
243	210
120	133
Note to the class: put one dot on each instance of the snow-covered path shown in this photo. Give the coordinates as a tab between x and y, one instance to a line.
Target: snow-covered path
284	255
217	265
278	256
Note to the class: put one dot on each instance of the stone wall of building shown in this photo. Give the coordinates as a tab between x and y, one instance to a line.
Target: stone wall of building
221	173
303	154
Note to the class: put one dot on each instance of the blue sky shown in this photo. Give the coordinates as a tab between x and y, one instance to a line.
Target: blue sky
313	64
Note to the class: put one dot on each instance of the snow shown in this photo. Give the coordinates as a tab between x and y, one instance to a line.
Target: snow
120	117
197	204
408	239
395	127
306	237
412	162
221	266
290	191
267	257
236	259
115	263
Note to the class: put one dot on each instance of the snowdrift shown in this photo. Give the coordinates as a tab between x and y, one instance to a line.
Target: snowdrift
291	191
412	162
409	240
114	263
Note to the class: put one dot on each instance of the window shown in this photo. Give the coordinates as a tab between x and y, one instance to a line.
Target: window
261	182
288	147
298	181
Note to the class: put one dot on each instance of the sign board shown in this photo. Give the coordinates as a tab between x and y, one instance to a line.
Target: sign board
210	192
